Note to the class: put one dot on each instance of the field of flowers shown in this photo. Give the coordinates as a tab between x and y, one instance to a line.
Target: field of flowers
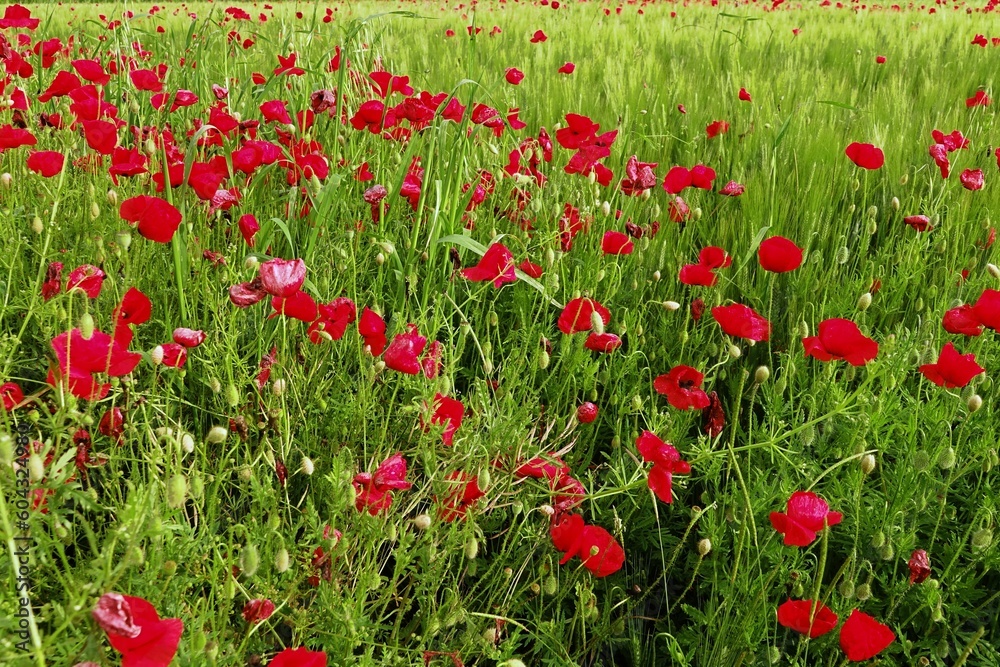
499	334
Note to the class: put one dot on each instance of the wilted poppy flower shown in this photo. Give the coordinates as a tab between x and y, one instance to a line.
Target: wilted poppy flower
940	154
666	460
497	265
11	394
952	369
568	68
601	554
188	337
604	342
46	163
299	657
464	495
53	280
716	128
158	219
616	243
742	322
920	566
374	492
800	615
257	610
87	278
112	424
282	277
713	418
744	95
987	309
862	637
514	76
679	210
137	632
404	351
921	223
972	179
866	156
448	411
806	515
952	142
779	255
841	339
578	315
682	387
371	327
980	99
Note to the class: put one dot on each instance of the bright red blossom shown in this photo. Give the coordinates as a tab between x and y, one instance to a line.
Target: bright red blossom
866	156
779	255
862	637
666	460
952	369
806	515
496	265
808	617
840	339
682	387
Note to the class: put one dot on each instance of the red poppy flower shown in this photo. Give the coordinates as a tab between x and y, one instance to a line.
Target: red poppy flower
404	351
286	66
962	320
87	278
616	243
101	135
374	492
299	306
779	255
578	315
679	178
12	137
112	424
952	142
940	154
11	394
702	273
146	79
135	309
137	632
62	85
92	71
866	156
604	343
742	322
682	387
987	309
600	552
257	610
862	637
841	339
18	16
371	327
880	60
806	515
920	566
980	99
921	223
282	277
732	189
158	220
538	37
249	227
447	411
173	355
530	269
972	179
53	280
800	615
952	369
514	76
299	657
744	95
568	68
464	495
497	265
666	460
716	128
46	163
188	337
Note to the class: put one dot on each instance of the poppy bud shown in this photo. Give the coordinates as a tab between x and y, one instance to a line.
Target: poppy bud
422	522
946	460
846	589
606	208
735	352
895	203
843	254
6	179
993	270
547	510
887	551
278	387
872	211
246	473
187	442
471	549
156	355
170	568
176	491
864	301
761	375
974	403
904	179
982	539
867	464
95	210
232	395
134	556
216	434
307	466
86	326
112	197
36	467
592	177
856	184
704	547
150	147
696	214
921	461
249	560
646	195
36	225
863	592
390	533
671	305
543	359
550	586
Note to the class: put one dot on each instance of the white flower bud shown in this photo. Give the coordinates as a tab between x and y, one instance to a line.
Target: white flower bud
994	270
156	356
606	208
216	434
6	179
422	522
597	323
761	375
704	547
278	387
671	305
864	301
867	464
895	203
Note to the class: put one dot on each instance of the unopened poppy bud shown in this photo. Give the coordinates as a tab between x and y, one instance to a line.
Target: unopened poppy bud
250	560
895	203
422	522
216	434
597	322
232	395
864	301
696	214
187	442
170	568
387	247
380	259
550	257
851	209
761	375
251	263
378	366
735	352
704	547
156	356
36	468
904	179
278	388
592	177
993	270
494	320
856	184
863	592
307	467
843	254
6	179
543	359
867	464
846	589
490	636
887	551
176	491
946	460
95	210
872	212
646	195
86	326
974	403
982	539
112	197
471	549
671	305
134	556
37	225
124	239
547	510
606	208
